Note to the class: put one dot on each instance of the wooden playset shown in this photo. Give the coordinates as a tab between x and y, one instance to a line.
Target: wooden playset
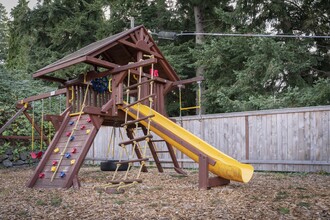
126	88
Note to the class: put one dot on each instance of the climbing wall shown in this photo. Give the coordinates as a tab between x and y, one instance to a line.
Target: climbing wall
60	164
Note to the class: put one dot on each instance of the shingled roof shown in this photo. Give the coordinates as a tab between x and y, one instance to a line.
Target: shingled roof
116	50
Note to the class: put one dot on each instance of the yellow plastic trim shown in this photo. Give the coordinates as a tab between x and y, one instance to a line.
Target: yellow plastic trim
72	94
109	86
192	107
76	114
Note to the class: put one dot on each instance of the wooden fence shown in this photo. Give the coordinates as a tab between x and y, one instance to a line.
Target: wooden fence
294	139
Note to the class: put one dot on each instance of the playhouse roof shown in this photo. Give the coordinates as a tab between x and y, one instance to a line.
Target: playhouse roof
111	52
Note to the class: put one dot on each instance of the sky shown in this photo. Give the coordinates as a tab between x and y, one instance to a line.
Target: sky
9	4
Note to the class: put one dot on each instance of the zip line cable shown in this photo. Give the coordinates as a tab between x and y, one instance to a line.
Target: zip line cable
173	35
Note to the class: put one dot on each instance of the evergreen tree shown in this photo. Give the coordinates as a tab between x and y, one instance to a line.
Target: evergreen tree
257	73
3	34
19	38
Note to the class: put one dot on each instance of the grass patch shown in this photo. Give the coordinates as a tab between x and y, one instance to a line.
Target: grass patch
305	196
323	173
23	213
41	202
56	201
281	195
119	202
301	188
284	210
255	198
157	188
178	176
304	204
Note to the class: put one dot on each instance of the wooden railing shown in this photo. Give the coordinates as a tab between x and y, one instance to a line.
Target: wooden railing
94	99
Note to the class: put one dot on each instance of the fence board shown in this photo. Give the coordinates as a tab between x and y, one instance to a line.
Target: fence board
295	139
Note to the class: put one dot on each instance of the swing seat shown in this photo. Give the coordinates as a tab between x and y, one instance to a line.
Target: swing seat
35	155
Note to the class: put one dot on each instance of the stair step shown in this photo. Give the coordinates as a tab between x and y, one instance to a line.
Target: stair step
137	120
132	161
138	101
162	151
135	140
138	84
125	181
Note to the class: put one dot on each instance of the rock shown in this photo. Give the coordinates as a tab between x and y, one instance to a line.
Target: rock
9	151
7	163
19	163
23	155
3	157
10	157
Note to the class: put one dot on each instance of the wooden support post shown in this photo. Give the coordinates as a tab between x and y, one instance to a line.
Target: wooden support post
56	120
177	167
144	90
117	92
204	181
203	172
153	152
12	119
76	182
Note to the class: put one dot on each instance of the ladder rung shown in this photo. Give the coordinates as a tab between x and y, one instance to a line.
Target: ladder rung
138	101
125	181
162	151
132	161
157	141
135	139
137	84
137	120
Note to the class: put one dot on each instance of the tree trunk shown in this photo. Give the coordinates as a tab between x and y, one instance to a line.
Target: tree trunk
199	41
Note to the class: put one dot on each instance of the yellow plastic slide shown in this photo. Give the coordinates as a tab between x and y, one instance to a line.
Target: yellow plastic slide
225	166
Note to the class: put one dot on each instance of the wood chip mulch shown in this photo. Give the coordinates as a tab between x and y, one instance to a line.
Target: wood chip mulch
168	196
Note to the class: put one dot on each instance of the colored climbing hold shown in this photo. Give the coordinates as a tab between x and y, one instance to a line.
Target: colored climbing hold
53	169
82	127
71	138
56	150
67	155
72	162
68	134
74	150
89	120
41	175
62	174
88	131
71	122
54	162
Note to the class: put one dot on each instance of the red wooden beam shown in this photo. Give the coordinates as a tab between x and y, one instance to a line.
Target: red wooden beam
52	79
93	75
188	81
101	63
12	119
43	96
15	137
59	66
